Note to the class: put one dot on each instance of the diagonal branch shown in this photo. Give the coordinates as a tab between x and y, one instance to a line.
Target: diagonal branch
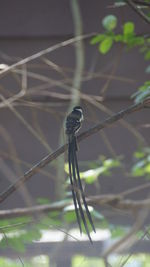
138	11
141	3
50	157
44	52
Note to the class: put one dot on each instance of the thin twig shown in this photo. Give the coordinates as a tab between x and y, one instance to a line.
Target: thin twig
114	201
141	3
138	11
44	52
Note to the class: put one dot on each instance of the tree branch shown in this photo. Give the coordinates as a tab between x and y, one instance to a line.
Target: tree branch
49	158
44	52
111	200
138	11
141	3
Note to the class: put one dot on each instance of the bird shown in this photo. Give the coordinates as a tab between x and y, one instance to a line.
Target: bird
73	124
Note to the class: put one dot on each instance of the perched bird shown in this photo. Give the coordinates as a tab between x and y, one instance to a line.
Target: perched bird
73	125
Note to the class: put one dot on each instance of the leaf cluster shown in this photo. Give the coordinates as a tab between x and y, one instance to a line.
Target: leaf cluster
128	37
142	93
142	164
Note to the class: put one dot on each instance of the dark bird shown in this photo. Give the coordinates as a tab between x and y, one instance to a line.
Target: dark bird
73	125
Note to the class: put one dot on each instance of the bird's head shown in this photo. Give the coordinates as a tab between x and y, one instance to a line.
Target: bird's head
77	108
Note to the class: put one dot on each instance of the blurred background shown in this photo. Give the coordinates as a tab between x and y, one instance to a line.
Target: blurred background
36	95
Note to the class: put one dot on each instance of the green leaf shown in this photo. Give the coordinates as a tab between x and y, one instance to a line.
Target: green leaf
70	216
128	28
91	175
66	167
12	242
139	40
49	221
109	22
138	169
105	45
147	83
139	154
147	168
147	55
142	167
142	93
97	39
109	163
16	244
141	96
118	38
13	222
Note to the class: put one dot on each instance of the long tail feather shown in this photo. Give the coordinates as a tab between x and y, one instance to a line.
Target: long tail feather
73	151
72	185
80	185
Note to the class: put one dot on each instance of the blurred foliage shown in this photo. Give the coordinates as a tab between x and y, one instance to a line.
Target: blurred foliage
109	22
142	93
140	260
17	239
87	262
18	232
40	261
142	165
103	166
127	37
